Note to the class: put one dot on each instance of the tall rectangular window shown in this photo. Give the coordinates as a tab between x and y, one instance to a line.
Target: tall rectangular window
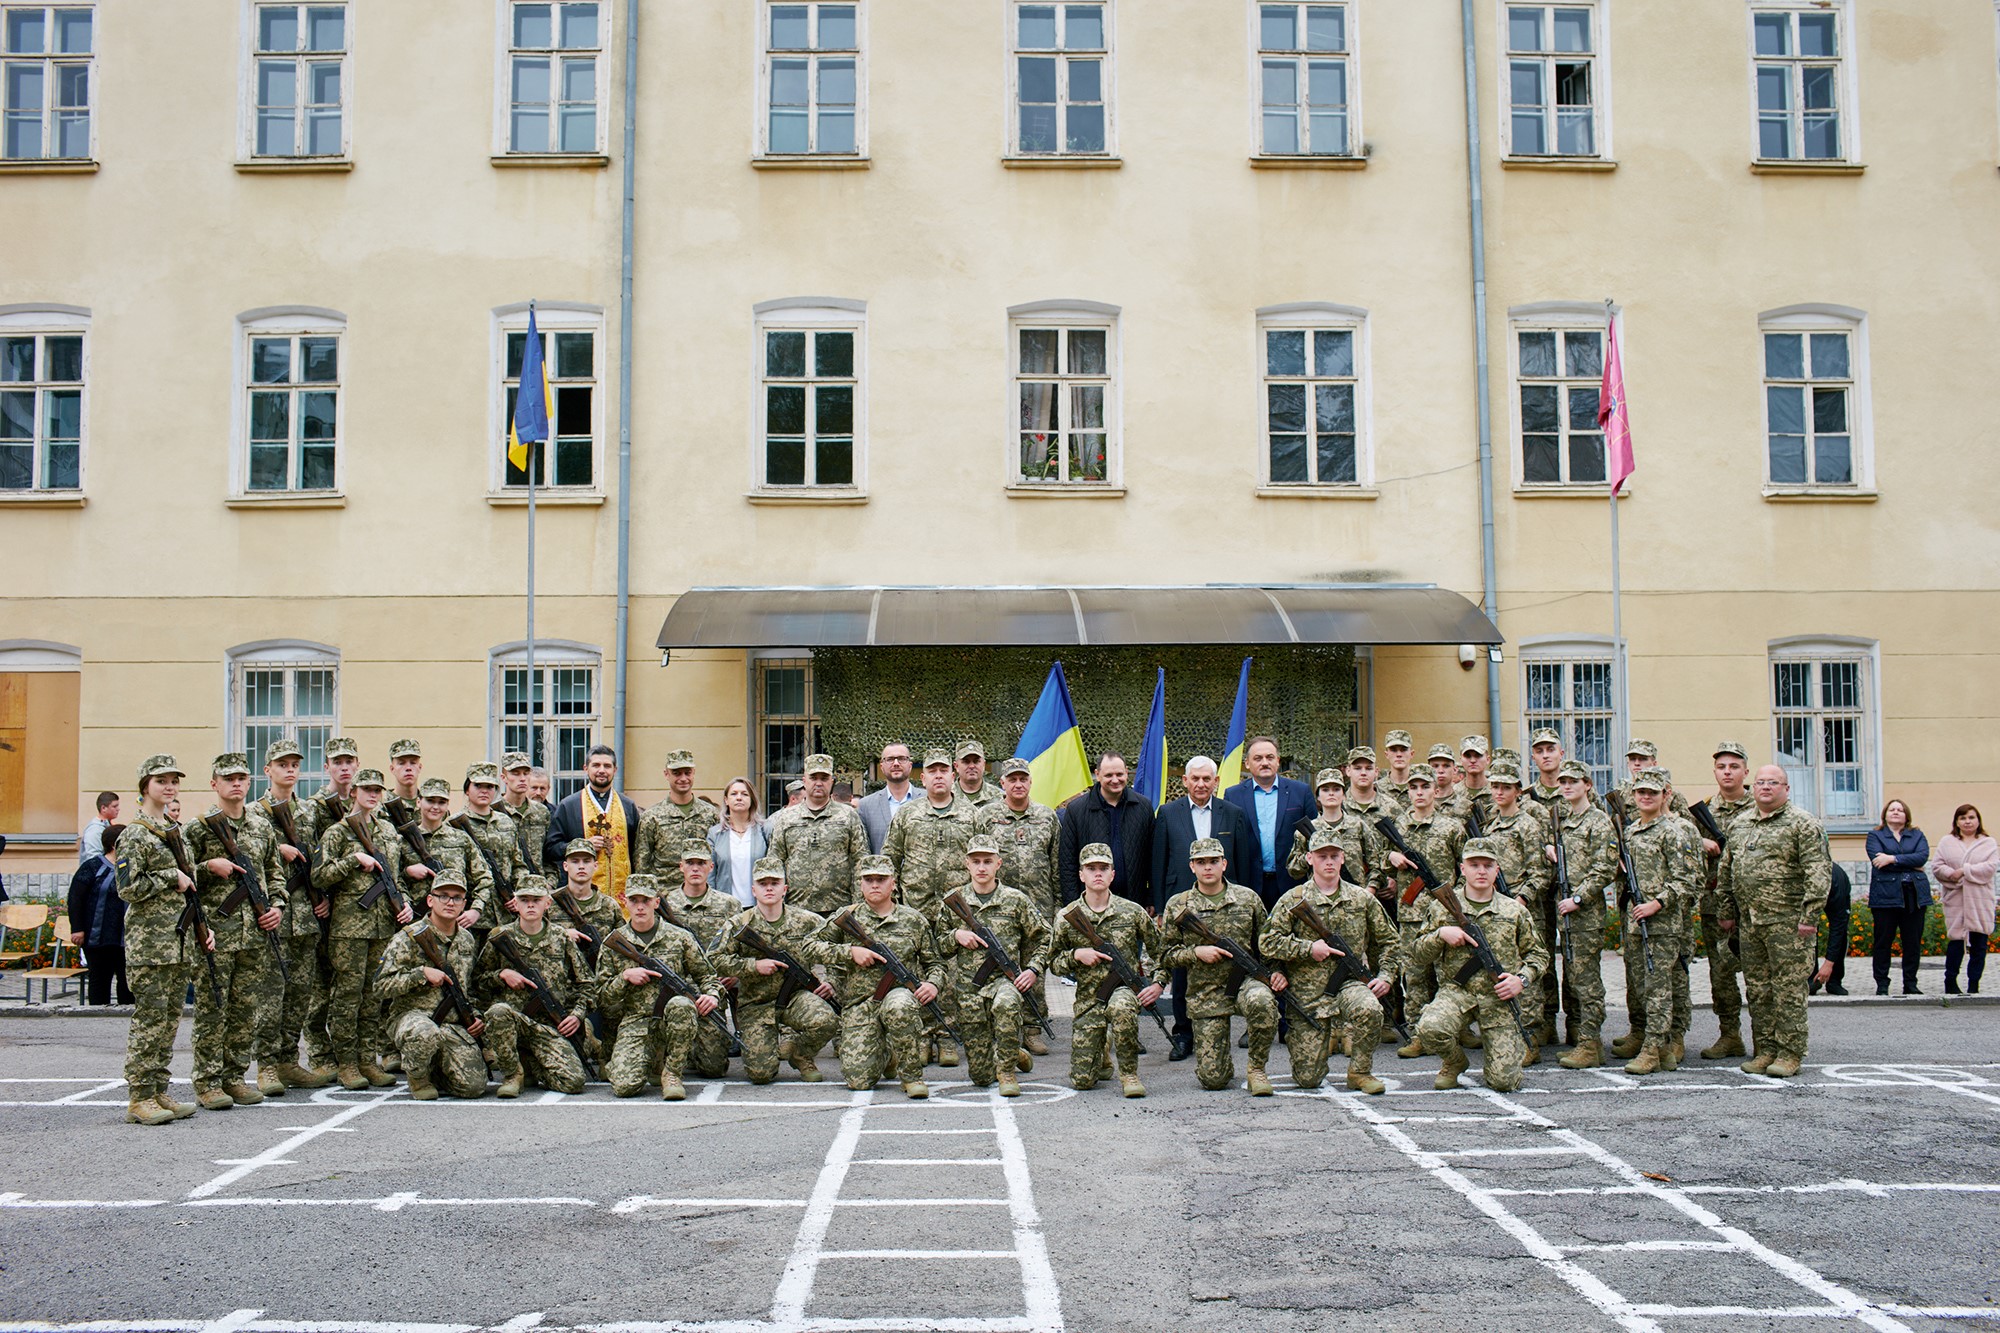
1311	384
298	81
559	730
1573	692
787	725
41	699
45	74
812	82
1063	380
1062	59
1552	80
279	700
41	410
553	84
1558	375
1822	705
1809	389
811	386
569	358
1799	54
294	411
1303	74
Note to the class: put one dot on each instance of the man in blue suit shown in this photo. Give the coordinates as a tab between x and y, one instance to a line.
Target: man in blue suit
1273	806
1198	815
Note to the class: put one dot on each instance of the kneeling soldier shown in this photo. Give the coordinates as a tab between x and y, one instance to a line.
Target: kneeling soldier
1296	935
1105	1005
535	1047
881	1023
432	1023
705	914
1466	989
656	1027
770	991
1217	988
990	1007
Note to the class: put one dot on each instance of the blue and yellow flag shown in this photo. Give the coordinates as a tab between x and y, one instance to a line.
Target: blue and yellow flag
1052	743
1149	779
533	404
1231	769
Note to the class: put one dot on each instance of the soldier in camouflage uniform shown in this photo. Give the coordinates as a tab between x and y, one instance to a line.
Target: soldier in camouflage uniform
1124	925
1364	796
228	1033
1365	852
680	817
969	765
529	816
927	837
1591	851
577	903
1468	990
406	767
705	914
452	849
1395	784
1520	834
877	1036
1772	886
526	1047
990	1011
1351	912
1030	838
760	981
1217	990
493	837
820	841
302	1008
1438	838
652	1048
1666	861
157	964
1475	759
1731	800
360	934
1640	756
1448	797
335	801
427	1032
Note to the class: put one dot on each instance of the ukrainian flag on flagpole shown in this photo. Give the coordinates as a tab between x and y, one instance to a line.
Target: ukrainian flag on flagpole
1149	779
1231	768
534	404
1052	743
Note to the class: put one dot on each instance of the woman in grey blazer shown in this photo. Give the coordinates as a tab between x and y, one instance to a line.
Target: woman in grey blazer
737	840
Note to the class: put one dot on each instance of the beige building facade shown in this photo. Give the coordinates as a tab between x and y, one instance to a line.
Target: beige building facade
994	294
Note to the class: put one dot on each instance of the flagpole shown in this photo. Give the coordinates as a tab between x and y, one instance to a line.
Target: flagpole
533	462
1621	687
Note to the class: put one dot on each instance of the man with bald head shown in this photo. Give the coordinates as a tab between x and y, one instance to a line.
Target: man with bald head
1770	888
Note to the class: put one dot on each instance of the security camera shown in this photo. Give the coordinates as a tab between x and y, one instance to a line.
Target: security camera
1467	655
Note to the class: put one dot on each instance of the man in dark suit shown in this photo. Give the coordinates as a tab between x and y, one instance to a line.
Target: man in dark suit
588	813
1109	813
1179	822
1273	806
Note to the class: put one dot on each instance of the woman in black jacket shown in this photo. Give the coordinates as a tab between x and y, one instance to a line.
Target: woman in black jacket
97	924
1899	893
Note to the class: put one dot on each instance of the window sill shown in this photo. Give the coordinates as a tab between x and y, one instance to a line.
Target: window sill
292	166
1063	162
1307	162
1274	492
1030	490
811	162
1558	164
1821	495
285	500
518	499
48	166
42	500
44	839
1588	492
808	495
551	159
1772	167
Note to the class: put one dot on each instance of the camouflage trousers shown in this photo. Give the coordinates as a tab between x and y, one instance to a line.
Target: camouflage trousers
1117	1019
810	1019
520	1045
1585	982
990	1021
226	1035
708	1056
1775	961
157	991
1214	1058
1540	999
880	1037
354	1018
301	1011
1447	1014
1419	983
1355	1011
1725	989
1656	1001
645	1045
422	1043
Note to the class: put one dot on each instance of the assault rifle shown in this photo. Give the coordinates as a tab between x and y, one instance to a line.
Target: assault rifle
503	888
1475	828
250	885
1346	964
453	1000
672	983
192	917
1122	971
1712	830
541	1001
1245	962
997	959
593	941
797	975
1628	879
895	972
1483	959
1427	878
298	874
1562	892
385	881
707	947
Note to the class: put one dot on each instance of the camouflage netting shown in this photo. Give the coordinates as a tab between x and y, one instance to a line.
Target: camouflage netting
938	696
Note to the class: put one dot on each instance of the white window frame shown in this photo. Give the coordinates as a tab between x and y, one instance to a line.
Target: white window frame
1811	318
248	84
761	131
50	61
756	664
1315	316
275	655
284	322
1011	144
550	317
38	322
503	70
1818	650
1349	56
1556	316
1571	650
1600	81
809	315
550	655
1847	84
1067	315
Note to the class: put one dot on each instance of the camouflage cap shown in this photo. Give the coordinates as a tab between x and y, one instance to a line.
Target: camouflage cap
1322	837
342	747
282	748
229	765
1545	736
430	787
794	787
1480	849
770	867
1361	752
1094	854
818	763
535	886
1330	777
877	866
514	760
967	749
1422	775
1571	768
680	759
937	757
406	748
447	878
1650	779
371	777
580	847
1205	849
1506	773
1731	747
1644	749
487	775
693	850
1009	767
982	844
1398	737
1442	751
1474	745
641	886
1503	755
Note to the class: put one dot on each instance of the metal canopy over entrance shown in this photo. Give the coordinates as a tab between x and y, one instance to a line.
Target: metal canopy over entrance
871	617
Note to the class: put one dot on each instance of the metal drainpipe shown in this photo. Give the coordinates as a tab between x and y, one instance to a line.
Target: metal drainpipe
1476	205
624	617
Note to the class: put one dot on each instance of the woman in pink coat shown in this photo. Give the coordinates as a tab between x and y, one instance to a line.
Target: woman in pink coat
1964	865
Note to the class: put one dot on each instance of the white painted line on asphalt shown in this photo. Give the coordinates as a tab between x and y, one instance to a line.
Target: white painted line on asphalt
641	1202
926	1161
276	1154
920	1203
1923	1075
711	1094
18	1200
1038	1276
253	1325
87	1093
918	1254
393	1203
232	1322
1647	1246
1509	1152
1745	1311
788	1305
1878	1190
983	1129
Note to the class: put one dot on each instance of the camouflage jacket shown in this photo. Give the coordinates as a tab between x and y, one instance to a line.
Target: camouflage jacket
926	844
1622	793
328	807
1352	913
599	909
531	830
1437	837
1591	851
619	999
454	849
1236	912
549	951
149	882
1776	869
1029	843
665	830
1546	797
1522	839
1726	814
706	918
1366	851
1124	925
1457	803
299	918
1666	858
494	834
257	839
1375	807
338	871
905	930
1509	932
794	931
1015	921
989	793
820	849
1397	792
400	984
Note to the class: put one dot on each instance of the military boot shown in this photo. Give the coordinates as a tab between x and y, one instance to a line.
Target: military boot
1131	1086
390	1062
1546	1036
211	1098
1783	1066
352	1079
1025	1061
269	1081
916	1089
510	1083
298	1076
1260	1082
1411	1051
786	1047
1009	1085
1033	1043
1453	1065
181	1110
1671	1057
808	1070
1361	1077
947	1055
1628	1045
148	1111
1728	1044
421	1087
671	1088
1757	1063
1647	1061
1469	1038
242	1093
1587	1055
379	1077
1533	1056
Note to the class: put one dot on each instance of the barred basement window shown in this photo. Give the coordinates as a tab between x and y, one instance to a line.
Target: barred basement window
787	725
559	728
1570	686
281	690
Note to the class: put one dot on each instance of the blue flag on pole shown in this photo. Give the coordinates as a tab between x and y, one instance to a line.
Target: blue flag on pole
1052	743
532	402
1149	778
1231	768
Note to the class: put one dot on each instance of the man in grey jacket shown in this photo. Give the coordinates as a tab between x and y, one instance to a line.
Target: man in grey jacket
878	807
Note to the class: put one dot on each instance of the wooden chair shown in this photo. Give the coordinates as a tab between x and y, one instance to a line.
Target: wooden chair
17	920
57	970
